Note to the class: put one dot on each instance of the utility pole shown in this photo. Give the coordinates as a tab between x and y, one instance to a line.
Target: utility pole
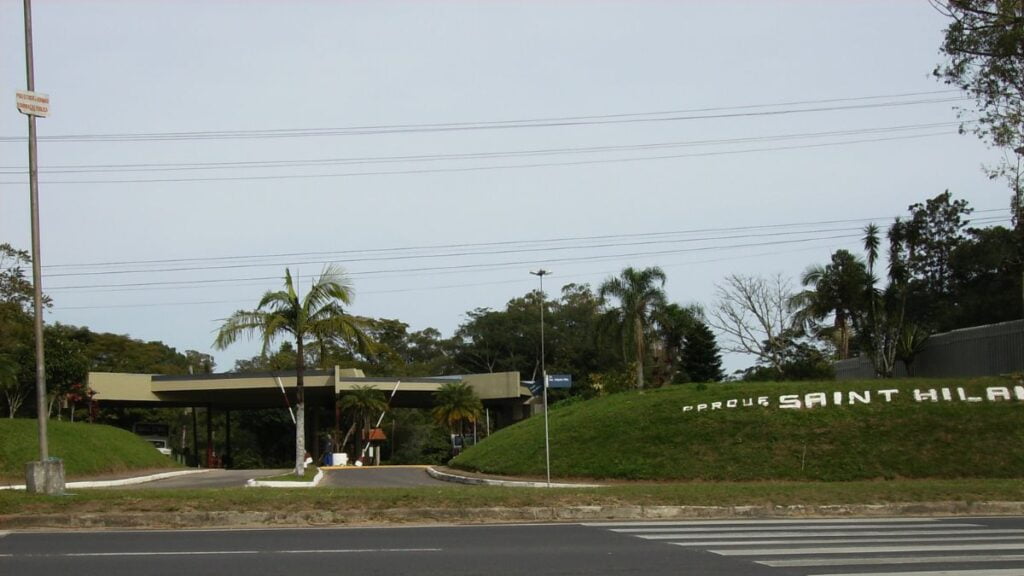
43	476
544	374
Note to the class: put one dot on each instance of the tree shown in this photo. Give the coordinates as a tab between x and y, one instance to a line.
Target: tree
674	323
984	48
639	293
986	278
17	340
835	290
798	360
701	359
455	404
317	317
66	366
754	313
361	403
15	288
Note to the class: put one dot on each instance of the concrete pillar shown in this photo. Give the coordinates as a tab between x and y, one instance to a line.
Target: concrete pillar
45	477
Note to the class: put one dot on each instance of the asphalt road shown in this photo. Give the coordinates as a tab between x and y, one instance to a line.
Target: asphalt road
215	478
381	477
364	477
869	547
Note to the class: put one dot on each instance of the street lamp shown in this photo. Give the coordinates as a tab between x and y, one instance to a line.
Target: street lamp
544	374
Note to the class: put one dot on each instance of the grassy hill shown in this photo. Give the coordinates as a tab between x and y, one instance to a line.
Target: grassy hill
87	449
649	436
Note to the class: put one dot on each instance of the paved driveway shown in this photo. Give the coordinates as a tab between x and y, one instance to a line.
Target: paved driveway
215	478
380	477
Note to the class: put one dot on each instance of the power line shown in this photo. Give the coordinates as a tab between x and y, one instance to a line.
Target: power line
266	164
461	268
547	122
336	256
487	167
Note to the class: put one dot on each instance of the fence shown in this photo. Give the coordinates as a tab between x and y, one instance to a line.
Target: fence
978	351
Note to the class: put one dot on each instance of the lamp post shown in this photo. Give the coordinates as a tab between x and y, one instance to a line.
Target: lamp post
544	374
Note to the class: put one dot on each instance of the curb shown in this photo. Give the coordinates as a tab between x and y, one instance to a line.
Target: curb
120	482
253	483
567	514
447	477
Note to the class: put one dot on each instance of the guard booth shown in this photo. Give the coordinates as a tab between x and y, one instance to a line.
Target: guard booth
504	399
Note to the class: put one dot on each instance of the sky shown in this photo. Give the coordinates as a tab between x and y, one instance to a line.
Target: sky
441	151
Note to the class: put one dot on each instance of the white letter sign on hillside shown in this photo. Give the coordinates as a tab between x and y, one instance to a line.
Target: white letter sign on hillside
33	103
854	397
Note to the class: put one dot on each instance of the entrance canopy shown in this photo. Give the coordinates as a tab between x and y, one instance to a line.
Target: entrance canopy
267	390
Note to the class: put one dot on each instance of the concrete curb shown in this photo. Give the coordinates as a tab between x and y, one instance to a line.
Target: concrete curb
459	479
119	482
572	514
253	483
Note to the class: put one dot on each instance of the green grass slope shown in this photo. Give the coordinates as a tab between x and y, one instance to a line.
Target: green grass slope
648	436
86	449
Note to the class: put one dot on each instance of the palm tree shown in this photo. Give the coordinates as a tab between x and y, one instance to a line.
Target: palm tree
639	293
835	290
362	402
317	317
456	403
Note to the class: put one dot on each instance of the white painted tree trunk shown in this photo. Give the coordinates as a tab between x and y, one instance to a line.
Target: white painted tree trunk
300	439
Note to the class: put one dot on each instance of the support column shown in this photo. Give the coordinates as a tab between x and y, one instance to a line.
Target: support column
316	441
227	439
209	436
195	437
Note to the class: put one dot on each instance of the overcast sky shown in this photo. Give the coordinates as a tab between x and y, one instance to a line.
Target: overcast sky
209	130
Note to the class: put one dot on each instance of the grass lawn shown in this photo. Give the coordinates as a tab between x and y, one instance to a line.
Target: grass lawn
649	436
463	497
86	449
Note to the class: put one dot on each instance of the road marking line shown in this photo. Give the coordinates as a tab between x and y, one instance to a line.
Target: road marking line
853	541
356	551
862	549
2	534
874	560
844	533
229	552
110	554
788	528
1008	572
765	522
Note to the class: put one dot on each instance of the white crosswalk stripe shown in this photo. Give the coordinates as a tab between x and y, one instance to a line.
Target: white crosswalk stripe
894	547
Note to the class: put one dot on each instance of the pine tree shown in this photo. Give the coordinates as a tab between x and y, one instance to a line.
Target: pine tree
702	361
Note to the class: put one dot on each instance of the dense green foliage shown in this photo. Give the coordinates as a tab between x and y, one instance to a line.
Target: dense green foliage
648	436
86	449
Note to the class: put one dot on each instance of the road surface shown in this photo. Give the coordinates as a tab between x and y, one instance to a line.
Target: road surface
868	547
381	477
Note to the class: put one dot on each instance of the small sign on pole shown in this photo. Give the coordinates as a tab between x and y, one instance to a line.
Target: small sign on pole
559	381
33	103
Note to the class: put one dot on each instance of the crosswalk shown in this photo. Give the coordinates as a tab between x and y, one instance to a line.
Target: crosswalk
850	547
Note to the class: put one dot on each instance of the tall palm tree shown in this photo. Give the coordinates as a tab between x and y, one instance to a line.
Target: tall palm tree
456	403
361	402
317	316
836	290
639	293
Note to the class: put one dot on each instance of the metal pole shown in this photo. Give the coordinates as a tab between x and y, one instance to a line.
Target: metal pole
544	374
37	274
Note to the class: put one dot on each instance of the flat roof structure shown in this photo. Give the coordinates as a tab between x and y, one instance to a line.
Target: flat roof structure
232	391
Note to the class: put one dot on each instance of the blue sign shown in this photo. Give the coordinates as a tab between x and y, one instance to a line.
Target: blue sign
559	380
